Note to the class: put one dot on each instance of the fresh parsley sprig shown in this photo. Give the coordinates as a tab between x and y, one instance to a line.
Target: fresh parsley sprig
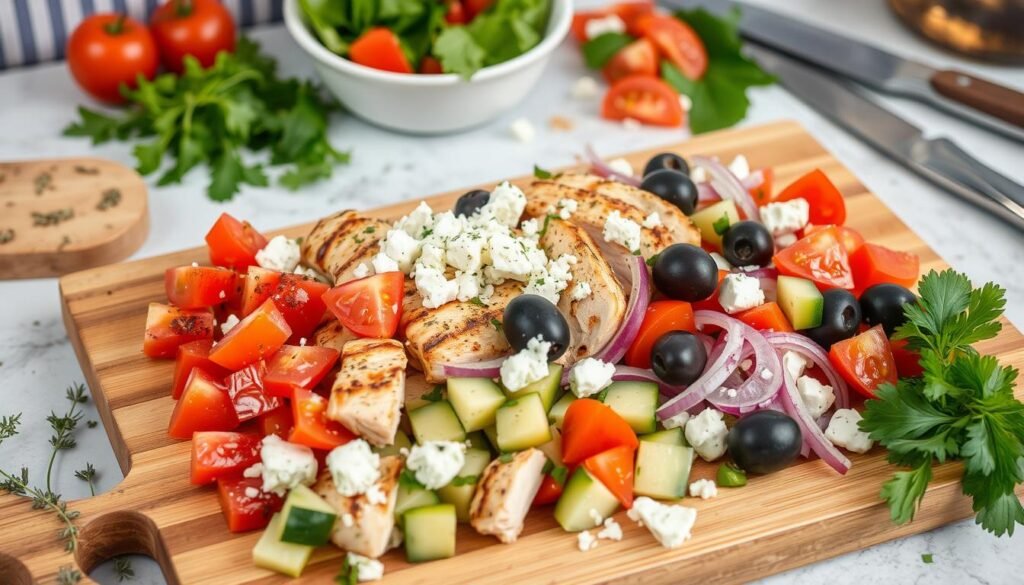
962	407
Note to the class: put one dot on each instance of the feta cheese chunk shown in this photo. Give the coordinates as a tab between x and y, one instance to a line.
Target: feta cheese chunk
510	259
383	263
622	231
706	433
354	467
611	531
669	524
740	292
465	252
652	221
740	167
567	207
843	432
436	463
794	364
365	568
280	254
418	222
585	88
402	248
586	541
621	166
817	397
705	489
530	228
523	130
785	217
596	27
553	279
435	289
676	422
527	366
505	205
581	291
286	465
228	324
361	271
589	376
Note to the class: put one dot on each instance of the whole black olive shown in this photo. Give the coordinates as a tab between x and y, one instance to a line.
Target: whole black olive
764	441
530	316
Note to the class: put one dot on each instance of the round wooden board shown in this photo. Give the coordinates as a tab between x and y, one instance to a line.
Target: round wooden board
63	215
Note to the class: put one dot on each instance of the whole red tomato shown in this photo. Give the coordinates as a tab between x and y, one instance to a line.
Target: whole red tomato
201	28
107	50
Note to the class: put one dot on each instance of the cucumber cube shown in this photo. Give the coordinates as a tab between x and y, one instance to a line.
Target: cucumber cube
436	421
307	518
411	495
459	492
401	442
547	387
583	493
557	412
478	440
636	403
522	423
475	401
429	533
662	470
801	302
284	557
672	436
705	220
491	433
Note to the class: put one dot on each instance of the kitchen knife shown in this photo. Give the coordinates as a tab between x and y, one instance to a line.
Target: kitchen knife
939	160
981	102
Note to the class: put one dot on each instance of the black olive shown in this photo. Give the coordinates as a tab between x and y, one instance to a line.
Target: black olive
674	187
667	160
471	202
883	304
748	243
678	358
764	441
529	316
686	273
840	318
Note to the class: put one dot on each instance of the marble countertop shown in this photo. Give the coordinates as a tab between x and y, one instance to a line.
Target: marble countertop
37	361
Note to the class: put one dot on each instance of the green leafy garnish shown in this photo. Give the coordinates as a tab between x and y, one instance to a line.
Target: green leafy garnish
347	574
436	394
407	479
927	558
961	408
559	473
465	480
544	174
729	475
506	457
600	49
721	225
496	324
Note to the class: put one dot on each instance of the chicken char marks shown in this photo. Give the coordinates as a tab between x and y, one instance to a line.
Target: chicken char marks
338	244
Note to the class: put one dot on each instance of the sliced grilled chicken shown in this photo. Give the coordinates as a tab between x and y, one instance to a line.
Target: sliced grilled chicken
457	333
338	244
333	334
364	526
504	494
593	320
368	392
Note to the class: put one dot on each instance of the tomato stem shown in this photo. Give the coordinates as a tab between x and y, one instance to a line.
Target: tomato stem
184	8
117	27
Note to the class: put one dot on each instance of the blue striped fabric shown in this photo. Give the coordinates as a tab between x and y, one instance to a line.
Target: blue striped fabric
35	31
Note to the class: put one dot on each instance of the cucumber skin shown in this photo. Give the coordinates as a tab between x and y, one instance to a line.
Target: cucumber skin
582	493
439	522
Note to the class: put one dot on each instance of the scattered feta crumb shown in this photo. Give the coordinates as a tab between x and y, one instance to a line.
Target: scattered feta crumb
740	167
506	204
589	376
843	431
348	520
595	516
698	175
366	569
794	364
228	324
376	496
252	493
530	228
817	397
435	289
383	263
705	489
222	295
354	467
706	433
622	231
585	88
676	422
785	217
596	27
361	271
611	531
740	292
280	253
669	524
523	130
581	291
527	366
652	221
286	465
436	463
253	471
567	207
586	541
621	166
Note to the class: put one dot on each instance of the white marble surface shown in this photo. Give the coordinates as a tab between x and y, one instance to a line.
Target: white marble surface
37	362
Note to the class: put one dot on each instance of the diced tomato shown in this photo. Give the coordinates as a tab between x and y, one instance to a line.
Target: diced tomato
474	7
826	202
549	492
430	66
203	406
197	287
168	327
629	12
217	455
865	361
246	388
312	428
711	303
256	337
277	422
908	361
455	13
300	300
766	317
820	257
660	318
873	264
646	99
260	284
379	48
676	41
371	306
296	366
762	194
590	427
851	238
636	58
614	468
191	355
234	243
242	511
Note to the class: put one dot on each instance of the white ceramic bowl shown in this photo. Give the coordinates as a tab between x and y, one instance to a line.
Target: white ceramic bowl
430	104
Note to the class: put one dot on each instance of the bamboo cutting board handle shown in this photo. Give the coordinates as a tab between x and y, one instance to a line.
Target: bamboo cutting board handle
993	99
62	215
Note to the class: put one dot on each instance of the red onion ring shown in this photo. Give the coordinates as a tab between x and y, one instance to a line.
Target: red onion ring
602	169
728	186
718	369
764	380
486	369
707	194
807	348
812	434
759	273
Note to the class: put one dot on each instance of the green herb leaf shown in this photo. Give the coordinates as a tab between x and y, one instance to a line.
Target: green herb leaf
927	558
559	474
600	49
904	491
541	173
465	480
721	225
458	52
435	395
506	457
496	324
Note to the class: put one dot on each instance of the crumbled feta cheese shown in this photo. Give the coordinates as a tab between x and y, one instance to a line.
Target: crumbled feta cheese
418	222
589	376
399	246
435	289
631	124
596	27
705	489
622	231
436	463
376	496
530	228
307	272
527	366
685	102
740	167
581	291
698	175
740	292
361	271
669	524
720	261
506	204
586	541
253	471
706	433
621	166
222	295
585	88
817	397
465	252
676	422
510	259
469	285
553	279
365	568
794	364
595	516
252	493
286	465
431	256
354	467
843	432
382	263
523	130
652	221
785	217
195	264
446	226
229	324
567	207
280	253
611	531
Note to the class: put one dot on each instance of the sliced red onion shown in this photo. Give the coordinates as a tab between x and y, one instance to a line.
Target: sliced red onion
707	194
812	434
639	299
723	364
486	369
807	348
764	379
759	273
754	180
728	186
602	169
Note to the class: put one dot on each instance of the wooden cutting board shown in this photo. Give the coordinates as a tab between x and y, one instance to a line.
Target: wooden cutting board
62	215
803	514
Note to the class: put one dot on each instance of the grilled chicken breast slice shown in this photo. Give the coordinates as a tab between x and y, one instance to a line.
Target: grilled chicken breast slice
333	334
504	494
364	527
339	243
369	389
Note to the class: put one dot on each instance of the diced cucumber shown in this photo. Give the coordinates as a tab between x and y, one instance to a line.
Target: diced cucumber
801	302
635	402
546	387
429	533
583	493
705	220
475	401
460	491
662	470
491	433
436	421
308	519
410	496
401	442
672	436
557	412
478	440
522	423
284	557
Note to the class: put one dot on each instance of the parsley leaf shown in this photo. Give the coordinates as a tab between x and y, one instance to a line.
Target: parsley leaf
458	52
721	225
600	49
435	395
544	173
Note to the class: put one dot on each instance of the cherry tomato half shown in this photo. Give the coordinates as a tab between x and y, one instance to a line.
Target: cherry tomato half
645	99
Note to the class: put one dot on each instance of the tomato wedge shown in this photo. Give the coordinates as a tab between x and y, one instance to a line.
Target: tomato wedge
197	287
245	505
312	428
762	194
766	317
168	327
676	41
820	257
296	366
851	238
256	337
549	492
260	284
873	264
629	12
636	58
430	66
711	303
865	361
379	48
826	202
614	468
646	99
192	355
300	300
203	406
660	318
247	392
277	422
371	306
234	243
590	427
218	454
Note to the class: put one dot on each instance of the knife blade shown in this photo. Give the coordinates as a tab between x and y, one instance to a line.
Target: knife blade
939	160
984	103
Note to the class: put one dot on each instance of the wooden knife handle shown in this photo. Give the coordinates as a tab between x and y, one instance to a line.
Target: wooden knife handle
993	99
